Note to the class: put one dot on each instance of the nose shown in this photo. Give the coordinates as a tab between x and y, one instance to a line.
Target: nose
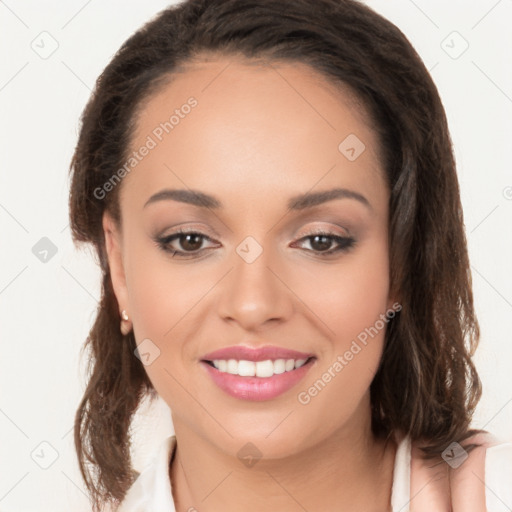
254	294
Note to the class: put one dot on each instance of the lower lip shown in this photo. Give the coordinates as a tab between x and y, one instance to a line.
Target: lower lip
257	388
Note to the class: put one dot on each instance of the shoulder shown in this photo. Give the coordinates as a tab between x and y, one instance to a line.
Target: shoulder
152	491
485	473
464	478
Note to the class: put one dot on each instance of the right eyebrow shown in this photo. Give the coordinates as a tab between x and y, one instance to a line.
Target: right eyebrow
193	197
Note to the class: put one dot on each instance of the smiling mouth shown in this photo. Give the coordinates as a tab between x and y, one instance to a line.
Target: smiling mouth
262	369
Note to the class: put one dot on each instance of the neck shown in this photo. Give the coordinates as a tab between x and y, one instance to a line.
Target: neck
350	470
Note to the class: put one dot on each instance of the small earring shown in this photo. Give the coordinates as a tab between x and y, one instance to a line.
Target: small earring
125	323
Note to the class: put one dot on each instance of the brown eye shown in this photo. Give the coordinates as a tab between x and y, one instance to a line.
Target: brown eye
183	243
321	243
191	241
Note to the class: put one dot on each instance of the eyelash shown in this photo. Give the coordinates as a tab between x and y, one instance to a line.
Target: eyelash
345	243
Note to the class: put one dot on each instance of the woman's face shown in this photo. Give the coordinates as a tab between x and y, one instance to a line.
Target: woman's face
256	139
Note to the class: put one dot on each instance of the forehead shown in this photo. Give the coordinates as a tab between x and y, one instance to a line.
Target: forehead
227	124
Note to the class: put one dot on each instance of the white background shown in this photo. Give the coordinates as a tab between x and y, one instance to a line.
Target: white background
46	309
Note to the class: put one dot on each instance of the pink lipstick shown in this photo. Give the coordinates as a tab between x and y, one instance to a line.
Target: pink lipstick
256	374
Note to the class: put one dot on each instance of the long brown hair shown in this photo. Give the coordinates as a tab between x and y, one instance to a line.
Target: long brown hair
427	385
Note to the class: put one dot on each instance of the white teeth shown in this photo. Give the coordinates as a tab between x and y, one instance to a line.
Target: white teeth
279	366
290	365
246	368
232	366
263	369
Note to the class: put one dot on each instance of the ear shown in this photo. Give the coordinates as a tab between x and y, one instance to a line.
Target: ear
113	246
394	298
394	303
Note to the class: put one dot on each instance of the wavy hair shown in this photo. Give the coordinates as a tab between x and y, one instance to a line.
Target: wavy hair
426	385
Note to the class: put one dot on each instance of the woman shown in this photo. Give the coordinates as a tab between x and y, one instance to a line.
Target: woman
272	195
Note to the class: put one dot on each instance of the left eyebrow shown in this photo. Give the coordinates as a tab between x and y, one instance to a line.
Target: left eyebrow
311	199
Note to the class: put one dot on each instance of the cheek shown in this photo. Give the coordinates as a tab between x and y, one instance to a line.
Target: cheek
353	307
165	298
351	300
348	297
360	298
160	297
353	303
162	291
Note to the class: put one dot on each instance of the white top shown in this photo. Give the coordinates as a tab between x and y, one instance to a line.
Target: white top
151	492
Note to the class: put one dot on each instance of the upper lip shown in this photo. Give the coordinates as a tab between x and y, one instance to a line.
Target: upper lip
242	352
